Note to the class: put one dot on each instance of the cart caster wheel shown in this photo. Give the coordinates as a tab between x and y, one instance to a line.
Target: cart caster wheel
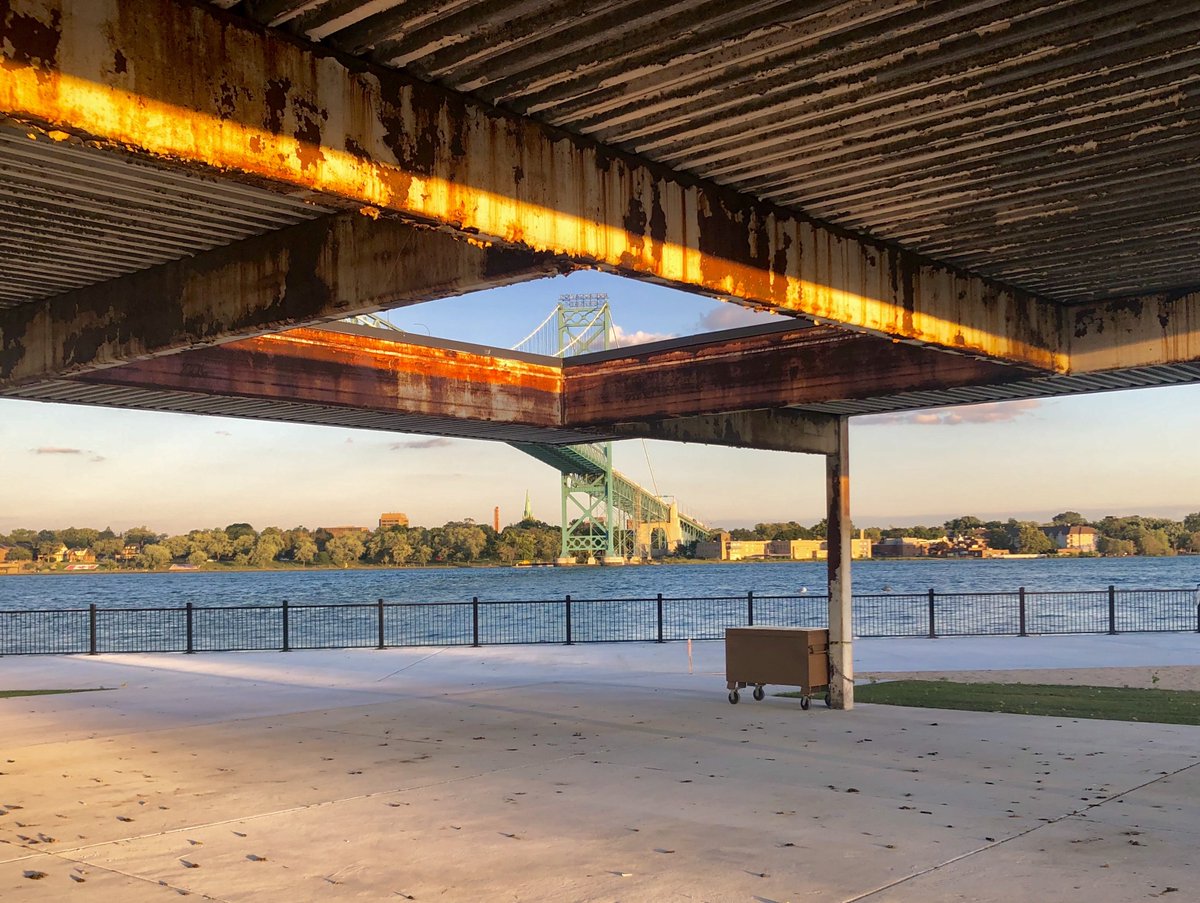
759	693
733	697
828	701
805	702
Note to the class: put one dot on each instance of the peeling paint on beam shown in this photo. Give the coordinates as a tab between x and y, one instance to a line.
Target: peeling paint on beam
1135	332
821	364
204	89
320	270
336	369
781	430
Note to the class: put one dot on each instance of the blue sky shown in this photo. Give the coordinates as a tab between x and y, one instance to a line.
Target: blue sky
1111	453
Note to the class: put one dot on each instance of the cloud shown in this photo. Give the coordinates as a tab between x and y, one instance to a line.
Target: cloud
623	339
62	450
731	316
436	442
992	412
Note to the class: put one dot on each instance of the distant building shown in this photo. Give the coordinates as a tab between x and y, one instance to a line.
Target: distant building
57	556
392	519
335	532
722	548
1072	540
4	552
81	556
904	547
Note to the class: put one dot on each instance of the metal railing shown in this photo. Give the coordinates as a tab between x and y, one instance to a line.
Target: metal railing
195	628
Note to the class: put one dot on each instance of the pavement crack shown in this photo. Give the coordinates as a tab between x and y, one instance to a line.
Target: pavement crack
1082	810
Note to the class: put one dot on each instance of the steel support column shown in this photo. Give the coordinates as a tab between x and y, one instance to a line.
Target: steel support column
837	495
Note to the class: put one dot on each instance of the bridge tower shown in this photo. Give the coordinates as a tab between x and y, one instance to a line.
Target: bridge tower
589	517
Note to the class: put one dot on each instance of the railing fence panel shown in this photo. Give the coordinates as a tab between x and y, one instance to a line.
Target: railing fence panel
379	624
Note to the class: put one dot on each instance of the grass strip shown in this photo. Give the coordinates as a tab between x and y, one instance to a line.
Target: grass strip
1107	703
11	694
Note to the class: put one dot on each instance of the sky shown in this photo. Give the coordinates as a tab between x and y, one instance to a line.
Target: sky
1110	453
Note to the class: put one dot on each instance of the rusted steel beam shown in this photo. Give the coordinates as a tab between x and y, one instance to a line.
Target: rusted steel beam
1135	332
806	366
325	269
352	370
189	84
781	430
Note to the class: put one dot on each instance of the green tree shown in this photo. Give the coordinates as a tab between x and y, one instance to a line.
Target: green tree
1153	542
389	546
516	544
1068	519
23	537
154	556
1110	545
267	547
1028	538
139	536
345	549
304	549
78	537
962	526
108	548
179	546
1191	523
47	548
19	553
197	557
235	531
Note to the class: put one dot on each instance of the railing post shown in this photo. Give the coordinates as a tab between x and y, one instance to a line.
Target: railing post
1112	609
92	629
660	619
568	612
286	640
932	623
750	608
1022	633
474	620
190	629
1198	617
379	617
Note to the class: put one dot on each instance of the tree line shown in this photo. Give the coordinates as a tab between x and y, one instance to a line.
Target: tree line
1131	535
240	545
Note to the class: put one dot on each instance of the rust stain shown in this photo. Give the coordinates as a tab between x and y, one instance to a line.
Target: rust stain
28	40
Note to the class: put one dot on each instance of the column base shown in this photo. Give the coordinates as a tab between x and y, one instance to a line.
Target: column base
613	560
564	562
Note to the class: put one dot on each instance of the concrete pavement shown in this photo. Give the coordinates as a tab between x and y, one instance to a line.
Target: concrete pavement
596	773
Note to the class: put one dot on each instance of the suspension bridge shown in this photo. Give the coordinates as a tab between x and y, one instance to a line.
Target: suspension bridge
606	516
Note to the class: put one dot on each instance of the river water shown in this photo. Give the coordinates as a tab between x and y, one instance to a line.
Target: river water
213	588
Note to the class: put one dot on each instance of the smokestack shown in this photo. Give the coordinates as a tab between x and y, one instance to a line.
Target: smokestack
496	519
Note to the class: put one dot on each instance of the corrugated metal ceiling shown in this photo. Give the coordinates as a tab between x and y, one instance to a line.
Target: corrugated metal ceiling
1053	144
70	216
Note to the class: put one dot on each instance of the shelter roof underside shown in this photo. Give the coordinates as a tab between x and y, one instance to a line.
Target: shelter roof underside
1049	145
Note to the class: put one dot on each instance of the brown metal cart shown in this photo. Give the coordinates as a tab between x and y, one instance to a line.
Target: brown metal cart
788	656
